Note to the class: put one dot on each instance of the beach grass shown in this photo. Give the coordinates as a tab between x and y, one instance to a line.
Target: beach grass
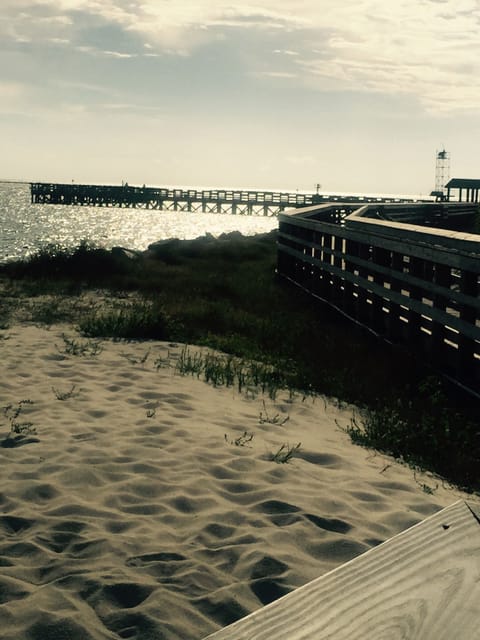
224	294
285	453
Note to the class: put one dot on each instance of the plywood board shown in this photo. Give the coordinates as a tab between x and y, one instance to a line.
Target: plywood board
422	584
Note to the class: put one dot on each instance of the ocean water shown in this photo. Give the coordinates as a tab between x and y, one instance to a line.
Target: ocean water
26	227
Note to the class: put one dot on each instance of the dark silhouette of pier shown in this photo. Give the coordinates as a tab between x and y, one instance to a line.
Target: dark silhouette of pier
235	201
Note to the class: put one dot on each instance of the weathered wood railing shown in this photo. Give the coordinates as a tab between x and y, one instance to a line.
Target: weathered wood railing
410	284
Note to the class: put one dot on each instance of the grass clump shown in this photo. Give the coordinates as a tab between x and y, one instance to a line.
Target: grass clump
230	371
425	432
276	419
73	347
12	413
242	441
22	431
141	321
64	395
285	453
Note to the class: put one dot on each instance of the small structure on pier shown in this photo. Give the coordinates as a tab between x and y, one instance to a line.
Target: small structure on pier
470	186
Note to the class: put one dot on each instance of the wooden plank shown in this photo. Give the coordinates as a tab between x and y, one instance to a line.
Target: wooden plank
457	240
422	584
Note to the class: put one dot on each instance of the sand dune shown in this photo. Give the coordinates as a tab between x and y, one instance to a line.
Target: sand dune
131	506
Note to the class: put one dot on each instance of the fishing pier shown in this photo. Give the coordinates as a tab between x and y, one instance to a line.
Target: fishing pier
234	201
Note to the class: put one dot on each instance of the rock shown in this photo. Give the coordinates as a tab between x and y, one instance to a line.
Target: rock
121	252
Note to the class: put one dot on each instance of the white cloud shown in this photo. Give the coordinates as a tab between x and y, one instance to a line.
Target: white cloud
24	26
427	49
404	48
118	54
286	52
273	74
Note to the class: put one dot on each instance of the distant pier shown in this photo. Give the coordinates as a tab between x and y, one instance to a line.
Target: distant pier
235	201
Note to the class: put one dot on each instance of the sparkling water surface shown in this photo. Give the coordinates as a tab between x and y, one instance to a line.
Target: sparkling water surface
25	228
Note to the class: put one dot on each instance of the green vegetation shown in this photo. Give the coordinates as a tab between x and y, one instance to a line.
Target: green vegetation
285	453
227	370
223	294
141	320
242	441
12	413
74	347
265	418
64	395
21	431
425	431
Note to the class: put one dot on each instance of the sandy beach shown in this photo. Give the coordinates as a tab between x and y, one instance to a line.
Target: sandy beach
139	503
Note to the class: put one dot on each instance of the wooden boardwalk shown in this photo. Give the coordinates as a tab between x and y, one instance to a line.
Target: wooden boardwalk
423	584
393	269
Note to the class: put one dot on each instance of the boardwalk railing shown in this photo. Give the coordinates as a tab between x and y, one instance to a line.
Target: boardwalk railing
409	283
236	201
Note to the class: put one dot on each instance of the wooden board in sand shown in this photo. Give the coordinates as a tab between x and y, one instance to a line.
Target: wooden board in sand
423	583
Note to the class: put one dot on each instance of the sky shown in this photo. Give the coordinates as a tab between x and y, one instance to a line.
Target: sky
355	95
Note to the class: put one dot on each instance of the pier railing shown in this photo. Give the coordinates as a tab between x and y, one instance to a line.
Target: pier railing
411	284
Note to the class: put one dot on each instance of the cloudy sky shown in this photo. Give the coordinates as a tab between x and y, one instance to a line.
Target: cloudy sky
357	95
